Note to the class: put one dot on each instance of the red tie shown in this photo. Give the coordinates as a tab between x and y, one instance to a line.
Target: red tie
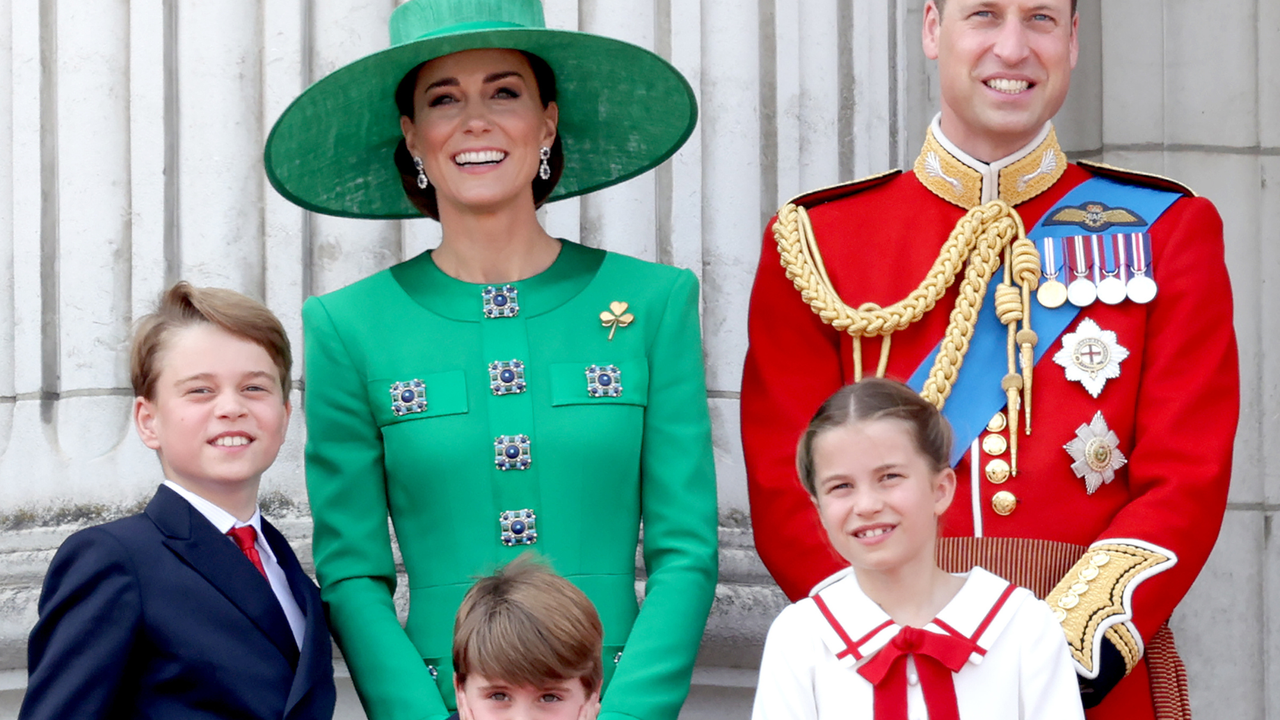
245	538
937	657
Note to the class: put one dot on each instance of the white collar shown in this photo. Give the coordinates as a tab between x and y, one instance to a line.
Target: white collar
982	600
221	519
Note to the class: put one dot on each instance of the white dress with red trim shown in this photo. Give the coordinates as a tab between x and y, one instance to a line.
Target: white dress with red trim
995	652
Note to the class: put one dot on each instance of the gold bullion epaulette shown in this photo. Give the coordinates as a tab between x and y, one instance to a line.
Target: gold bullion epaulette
1134	177
1095	600
817	197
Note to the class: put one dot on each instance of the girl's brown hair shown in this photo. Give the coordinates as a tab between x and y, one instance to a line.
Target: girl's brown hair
875	399
526	625
182	306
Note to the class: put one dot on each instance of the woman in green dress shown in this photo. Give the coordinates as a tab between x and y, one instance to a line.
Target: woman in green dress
508	391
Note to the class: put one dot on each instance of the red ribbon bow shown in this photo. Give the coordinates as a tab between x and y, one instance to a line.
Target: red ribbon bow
937	658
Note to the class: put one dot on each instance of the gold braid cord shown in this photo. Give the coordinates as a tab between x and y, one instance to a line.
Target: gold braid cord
977	247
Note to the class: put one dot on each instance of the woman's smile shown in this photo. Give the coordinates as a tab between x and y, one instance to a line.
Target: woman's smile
479	126
479	158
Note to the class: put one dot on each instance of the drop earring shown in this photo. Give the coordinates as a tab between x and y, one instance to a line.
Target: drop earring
423	182
544	170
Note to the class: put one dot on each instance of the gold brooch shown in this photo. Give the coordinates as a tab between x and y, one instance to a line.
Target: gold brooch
615	317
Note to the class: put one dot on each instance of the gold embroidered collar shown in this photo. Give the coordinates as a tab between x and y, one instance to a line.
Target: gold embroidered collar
958	178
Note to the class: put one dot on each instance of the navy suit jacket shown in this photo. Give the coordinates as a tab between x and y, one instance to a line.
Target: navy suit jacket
159	615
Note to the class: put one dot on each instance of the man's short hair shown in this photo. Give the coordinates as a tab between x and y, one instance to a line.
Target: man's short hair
183	306
527	626
942	3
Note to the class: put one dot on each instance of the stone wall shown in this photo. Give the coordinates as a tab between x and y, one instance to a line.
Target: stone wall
132	133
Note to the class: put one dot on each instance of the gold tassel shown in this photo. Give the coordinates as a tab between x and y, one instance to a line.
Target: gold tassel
857	359
1012	385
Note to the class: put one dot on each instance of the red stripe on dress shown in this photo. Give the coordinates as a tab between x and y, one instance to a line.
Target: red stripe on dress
986	622
850	647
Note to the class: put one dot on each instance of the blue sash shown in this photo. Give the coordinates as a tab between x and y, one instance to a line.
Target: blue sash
976	395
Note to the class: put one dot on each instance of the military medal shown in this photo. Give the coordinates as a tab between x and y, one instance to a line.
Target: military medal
1142	286
1081	292
1091	356
1096	453
1111	289
1051	293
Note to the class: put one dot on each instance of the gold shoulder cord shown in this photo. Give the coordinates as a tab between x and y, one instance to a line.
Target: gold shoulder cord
982	239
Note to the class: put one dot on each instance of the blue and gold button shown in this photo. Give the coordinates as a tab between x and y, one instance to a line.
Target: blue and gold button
501	302
408	397
519	527
506	377
604	381
511	452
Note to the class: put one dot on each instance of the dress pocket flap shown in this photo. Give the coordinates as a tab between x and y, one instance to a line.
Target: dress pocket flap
414	397
621	382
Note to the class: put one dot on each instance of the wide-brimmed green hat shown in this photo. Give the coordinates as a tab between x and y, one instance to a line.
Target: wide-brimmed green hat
623	109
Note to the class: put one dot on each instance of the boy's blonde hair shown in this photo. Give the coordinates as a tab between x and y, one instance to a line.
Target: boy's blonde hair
526	625
875	399
182	306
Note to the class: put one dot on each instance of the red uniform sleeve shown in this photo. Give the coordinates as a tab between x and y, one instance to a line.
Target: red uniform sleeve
792	366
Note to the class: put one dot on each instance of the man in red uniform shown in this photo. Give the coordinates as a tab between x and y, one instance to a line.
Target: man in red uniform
1098	474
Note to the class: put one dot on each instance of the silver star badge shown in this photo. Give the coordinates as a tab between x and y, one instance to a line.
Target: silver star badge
1091	356
1096	452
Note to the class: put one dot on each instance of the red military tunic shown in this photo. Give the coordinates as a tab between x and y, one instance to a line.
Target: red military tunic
1174	406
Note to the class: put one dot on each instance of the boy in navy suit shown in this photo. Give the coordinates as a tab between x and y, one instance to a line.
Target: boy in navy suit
197	607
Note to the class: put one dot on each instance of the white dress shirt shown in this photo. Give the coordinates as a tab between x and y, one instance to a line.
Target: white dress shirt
224	522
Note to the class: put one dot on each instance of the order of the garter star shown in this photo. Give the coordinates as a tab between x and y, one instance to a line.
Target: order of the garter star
1091	356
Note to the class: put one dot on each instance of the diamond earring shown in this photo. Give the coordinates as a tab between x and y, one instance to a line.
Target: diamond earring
544	170
423	182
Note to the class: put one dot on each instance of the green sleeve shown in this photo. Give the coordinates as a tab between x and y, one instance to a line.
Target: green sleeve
346	485
678	509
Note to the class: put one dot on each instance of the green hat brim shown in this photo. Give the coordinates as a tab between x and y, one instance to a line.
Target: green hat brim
623	111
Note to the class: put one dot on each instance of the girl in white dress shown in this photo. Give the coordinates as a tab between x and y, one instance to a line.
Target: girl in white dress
894	637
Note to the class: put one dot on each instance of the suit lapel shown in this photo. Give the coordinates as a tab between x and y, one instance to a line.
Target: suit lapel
316	659
199	544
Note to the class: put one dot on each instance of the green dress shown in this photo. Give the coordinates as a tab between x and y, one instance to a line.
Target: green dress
421	388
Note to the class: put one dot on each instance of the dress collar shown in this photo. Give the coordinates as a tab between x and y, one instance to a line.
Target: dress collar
980	611
958	178
574	268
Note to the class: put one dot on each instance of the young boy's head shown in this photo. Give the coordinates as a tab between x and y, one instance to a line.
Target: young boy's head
527	641
875	459
210	371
